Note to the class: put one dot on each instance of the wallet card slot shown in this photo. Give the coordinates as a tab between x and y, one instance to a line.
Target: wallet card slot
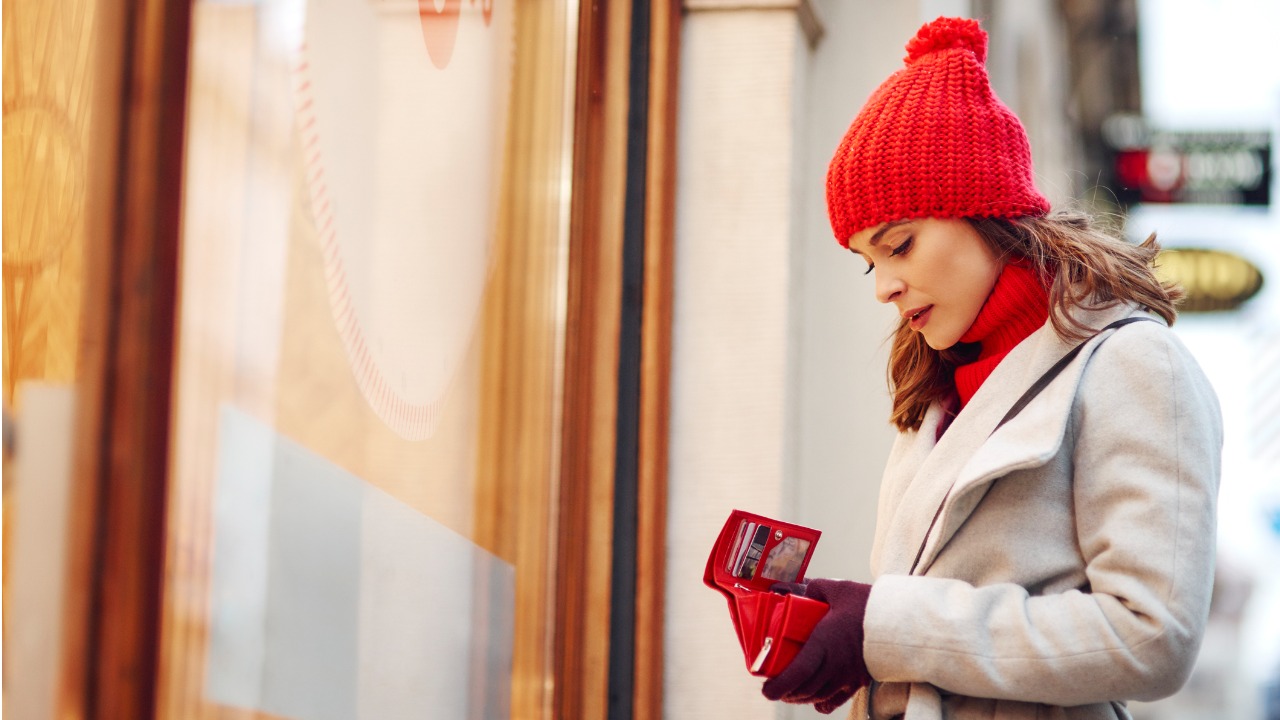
752	551
791	621
739	538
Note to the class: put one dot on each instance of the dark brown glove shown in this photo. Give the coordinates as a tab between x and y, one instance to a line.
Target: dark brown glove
829	669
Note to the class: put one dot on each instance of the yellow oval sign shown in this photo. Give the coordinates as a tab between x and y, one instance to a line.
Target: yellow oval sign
1214	280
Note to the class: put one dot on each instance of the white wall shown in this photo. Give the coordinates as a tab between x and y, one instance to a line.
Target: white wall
730	331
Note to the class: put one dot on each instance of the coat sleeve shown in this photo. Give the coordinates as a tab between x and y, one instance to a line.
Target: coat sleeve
1145	492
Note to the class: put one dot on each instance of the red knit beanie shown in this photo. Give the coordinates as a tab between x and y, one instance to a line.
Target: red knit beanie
933	141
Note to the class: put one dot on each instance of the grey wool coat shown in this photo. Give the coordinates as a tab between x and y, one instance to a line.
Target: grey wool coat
1070	566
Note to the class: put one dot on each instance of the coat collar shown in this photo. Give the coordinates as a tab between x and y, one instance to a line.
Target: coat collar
948	477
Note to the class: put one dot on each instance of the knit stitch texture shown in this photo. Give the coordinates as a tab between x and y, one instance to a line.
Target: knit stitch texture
933	141
1018	306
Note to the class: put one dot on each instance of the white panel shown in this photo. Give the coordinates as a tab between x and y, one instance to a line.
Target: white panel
332	600
437	619
242	513
39	487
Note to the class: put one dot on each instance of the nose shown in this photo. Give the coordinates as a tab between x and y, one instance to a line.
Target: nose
888	285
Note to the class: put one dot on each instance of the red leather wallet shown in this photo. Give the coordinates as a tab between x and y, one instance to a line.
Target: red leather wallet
751	554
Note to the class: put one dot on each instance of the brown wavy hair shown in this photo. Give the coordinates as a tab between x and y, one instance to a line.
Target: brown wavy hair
1087	266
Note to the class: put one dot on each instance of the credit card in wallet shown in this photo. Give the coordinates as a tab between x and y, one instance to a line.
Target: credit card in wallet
739	538
755	550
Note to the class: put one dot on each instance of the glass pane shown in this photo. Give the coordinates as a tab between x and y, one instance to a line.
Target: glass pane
49	84
374	219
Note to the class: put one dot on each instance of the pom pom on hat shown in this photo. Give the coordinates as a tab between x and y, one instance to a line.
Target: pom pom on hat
946	34
933	141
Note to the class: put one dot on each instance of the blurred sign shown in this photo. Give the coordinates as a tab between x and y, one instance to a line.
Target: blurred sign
1212	279
1161	166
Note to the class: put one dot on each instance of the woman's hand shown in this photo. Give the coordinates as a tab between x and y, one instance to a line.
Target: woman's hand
829	669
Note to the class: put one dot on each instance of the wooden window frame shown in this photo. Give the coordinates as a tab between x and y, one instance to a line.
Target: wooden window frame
624	150
110	649
133	216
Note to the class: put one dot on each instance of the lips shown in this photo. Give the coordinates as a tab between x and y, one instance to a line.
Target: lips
918	316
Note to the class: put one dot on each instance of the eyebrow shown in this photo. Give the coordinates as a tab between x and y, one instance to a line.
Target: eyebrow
879	234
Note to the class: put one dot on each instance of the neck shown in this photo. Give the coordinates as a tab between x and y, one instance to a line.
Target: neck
1018	306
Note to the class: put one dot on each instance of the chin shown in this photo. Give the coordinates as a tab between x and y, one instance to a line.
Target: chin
938	344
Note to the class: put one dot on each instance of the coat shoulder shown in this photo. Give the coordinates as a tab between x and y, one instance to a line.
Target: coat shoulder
1151	348
1145	374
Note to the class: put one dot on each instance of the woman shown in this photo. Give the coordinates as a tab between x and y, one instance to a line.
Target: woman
1057	562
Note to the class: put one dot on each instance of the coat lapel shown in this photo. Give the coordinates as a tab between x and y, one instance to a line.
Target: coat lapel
922	477
904	491
954	472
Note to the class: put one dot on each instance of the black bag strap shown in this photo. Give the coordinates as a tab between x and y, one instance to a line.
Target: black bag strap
1040	384
1058	367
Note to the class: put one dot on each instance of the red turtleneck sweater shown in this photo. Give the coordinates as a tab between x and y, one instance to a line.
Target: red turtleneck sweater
1018	306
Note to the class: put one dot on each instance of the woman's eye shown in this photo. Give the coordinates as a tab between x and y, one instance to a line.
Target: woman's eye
870	267
902	247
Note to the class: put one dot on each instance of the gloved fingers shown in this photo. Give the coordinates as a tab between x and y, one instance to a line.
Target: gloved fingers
814	589
822	589
832	703
834	684
800	672
788	588
818	685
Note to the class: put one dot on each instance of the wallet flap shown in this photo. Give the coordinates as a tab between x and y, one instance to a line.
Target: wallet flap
753	552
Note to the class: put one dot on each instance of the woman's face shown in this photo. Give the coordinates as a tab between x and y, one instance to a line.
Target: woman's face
938	273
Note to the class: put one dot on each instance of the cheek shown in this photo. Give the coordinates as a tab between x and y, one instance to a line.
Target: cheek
972	262
967	281
974	277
